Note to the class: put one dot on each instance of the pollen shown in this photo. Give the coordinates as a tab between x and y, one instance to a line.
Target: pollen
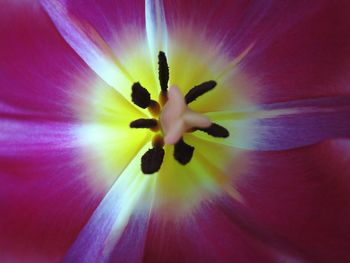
172	118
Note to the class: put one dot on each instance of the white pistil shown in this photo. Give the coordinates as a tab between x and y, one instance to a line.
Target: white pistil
176	118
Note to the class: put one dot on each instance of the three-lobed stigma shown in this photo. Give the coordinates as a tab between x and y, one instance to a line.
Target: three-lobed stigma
172	118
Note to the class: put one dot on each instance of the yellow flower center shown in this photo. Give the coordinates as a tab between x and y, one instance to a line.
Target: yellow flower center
116	150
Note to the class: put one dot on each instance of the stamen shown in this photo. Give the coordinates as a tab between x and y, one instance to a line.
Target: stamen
152	160
163	97
154	108
216	130
140	96
163	71
158	141
199	90
144	123
183	152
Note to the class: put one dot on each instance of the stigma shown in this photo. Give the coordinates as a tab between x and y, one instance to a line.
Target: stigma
177	118
172	118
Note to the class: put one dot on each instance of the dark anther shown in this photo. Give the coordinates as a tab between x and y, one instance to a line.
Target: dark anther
183	152
144	123
163	71
152	160
140	96
199	90
216	130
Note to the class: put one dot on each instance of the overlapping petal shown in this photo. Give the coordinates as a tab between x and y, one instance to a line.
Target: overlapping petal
48	190
65	137
89	45
105	35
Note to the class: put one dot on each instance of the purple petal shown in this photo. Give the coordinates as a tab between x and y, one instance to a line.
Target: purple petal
287	125
314	120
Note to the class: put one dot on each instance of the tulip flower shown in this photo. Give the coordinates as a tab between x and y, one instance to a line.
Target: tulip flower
174	131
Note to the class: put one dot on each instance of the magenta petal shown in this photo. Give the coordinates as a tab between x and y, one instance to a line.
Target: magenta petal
311	58
209	235
89	44
109	17
99	241
300	49
40	73
129	248
118	227
237	24
301	197
45	196
45	192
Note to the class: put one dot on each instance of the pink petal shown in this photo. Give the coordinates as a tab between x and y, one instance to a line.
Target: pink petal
301	198
46	195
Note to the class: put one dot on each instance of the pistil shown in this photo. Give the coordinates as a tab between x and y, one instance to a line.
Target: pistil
176	118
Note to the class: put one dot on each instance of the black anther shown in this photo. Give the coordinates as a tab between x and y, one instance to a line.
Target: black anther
183	152
144	123
140	96
152	160
163	71
199	90
216	130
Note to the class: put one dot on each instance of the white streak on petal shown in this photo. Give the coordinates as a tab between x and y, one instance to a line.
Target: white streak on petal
156	28
130	195
284	125
235	62
90	46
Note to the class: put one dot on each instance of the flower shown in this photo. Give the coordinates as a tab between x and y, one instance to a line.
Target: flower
274	188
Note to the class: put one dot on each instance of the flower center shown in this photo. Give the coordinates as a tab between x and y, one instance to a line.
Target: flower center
171	119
